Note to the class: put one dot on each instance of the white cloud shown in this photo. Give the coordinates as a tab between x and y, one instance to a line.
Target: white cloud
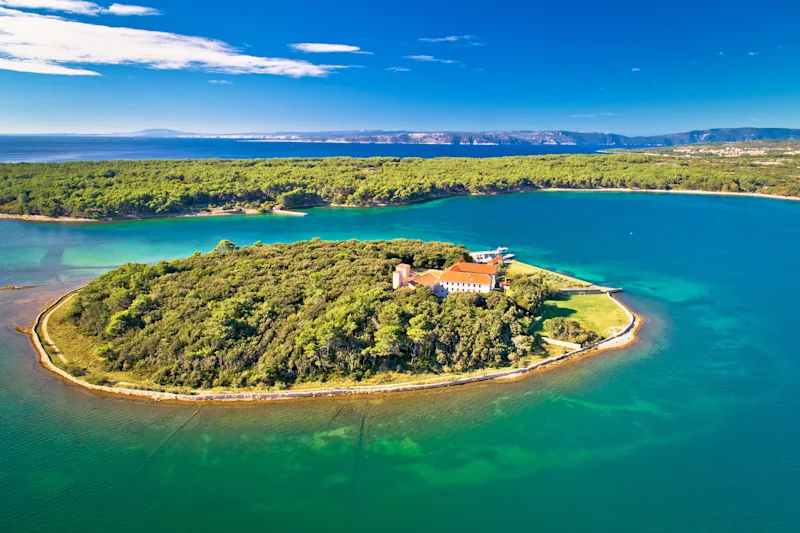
325	48
220	82
752	53
635	69
124	10
399	69
448	39
582	116
39	67
52	45
68	6
80	7
430	59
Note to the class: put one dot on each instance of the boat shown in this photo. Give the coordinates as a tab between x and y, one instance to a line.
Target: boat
485	256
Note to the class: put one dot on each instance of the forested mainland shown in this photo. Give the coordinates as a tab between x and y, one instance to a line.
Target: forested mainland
272	316
109	189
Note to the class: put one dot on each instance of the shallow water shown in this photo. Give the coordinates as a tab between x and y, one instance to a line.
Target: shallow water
695	428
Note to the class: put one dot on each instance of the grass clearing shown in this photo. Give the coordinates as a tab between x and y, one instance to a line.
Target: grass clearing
595	312
515	268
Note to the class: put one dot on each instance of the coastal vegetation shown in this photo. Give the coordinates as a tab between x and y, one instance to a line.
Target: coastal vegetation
109	189
277	316
563	329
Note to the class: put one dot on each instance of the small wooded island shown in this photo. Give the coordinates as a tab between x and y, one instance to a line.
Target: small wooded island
320	314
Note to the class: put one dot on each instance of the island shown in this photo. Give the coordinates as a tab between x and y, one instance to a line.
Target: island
321	318
135	189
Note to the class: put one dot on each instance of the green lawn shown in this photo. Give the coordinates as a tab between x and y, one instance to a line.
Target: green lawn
595	312
558	281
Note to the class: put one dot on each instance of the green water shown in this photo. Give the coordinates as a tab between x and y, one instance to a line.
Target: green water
695	428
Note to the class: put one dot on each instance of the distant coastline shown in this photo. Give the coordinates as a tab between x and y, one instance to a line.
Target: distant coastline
122	189
478	138
293	212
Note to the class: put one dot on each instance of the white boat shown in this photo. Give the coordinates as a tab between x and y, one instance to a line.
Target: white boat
485	256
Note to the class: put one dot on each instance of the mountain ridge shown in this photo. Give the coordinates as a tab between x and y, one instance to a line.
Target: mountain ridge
499	137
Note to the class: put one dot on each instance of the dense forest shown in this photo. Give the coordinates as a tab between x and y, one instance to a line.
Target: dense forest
273	315
140	188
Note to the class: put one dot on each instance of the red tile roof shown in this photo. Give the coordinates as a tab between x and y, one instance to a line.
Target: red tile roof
465	277
425	279
474	268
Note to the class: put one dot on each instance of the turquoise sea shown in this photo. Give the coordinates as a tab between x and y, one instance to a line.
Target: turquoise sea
695	428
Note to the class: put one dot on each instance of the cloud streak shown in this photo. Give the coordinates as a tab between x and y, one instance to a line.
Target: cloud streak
80	7
592	115
399	69
47	44
325	48
124	10
448	39
431	59
41	67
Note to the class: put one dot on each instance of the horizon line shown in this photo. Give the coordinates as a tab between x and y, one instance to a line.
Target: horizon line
175	132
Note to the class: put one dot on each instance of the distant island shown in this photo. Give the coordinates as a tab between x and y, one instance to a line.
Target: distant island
534	137
120	189
317	315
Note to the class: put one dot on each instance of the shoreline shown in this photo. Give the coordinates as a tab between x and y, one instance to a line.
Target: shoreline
45	218
676	191
288	212
188	214
624	338
250	211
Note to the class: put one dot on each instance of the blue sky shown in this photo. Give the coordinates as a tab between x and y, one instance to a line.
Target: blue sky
202	66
